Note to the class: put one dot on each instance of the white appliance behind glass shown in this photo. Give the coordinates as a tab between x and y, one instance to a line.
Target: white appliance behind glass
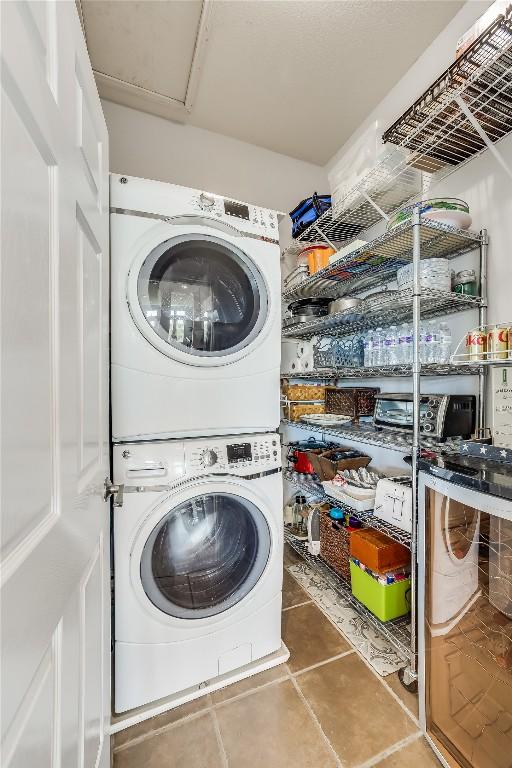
465	624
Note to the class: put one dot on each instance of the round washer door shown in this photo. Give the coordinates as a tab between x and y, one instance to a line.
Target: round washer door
205	555
199	298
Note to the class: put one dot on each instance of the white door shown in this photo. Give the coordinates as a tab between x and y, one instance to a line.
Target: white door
54	399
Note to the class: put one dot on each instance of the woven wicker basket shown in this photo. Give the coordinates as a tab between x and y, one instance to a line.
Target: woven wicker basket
303	391
335	545
350	401
296	410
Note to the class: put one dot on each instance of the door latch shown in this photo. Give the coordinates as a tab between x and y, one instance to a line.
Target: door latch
117	491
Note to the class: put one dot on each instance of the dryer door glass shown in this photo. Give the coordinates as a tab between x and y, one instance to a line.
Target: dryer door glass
205	555
202	295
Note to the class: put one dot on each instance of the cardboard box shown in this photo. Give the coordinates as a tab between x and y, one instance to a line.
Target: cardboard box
326	468
501	416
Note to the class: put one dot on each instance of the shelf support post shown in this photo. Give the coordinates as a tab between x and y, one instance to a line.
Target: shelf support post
416	385
482	320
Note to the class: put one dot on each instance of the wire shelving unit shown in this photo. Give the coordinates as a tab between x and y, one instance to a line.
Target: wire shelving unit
467	110
393	308
316	490
366	433
397	632
378	260
384	371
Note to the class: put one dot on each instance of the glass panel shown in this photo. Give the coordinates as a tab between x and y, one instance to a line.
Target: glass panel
201	296
468	638
205	555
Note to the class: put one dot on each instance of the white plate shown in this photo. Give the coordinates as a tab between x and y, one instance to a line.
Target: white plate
324	419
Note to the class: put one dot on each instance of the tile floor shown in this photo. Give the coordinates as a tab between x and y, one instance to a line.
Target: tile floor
324	708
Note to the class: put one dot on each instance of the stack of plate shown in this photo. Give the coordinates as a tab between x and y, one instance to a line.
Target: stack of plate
434	273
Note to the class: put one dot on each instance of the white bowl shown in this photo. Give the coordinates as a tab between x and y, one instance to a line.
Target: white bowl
458	219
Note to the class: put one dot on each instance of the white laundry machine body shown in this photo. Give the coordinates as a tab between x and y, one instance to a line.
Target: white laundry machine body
198	550
195	297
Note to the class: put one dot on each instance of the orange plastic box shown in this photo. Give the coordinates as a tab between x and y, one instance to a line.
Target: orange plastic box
378	551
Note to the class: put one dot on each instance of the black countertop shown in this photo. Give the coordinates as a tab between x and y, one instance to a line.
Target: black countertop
479	474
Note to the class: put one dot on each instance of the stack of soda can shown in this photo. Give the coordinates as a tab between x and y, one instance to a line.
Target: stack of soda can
490	343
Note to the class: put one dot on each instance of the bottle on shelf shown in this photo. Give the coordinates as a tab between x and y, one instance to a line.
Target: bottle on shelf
367	349
404	343
428	341
300	513
392	345
445	343
377	347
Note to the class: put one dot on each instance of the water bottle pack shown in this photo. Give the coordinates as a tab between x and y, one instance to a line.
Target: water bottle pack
394	345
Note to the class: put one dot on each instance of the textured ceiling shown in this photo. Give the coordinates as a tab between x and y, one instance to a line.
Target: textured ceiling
294	76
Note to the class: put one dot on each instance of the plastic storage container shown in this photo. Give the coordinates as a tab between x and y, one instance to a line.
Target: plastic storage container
386	601
378	551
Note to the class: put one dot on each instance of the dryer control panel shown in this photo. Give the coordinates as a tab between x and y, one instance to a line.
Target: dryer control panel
240	455
245	217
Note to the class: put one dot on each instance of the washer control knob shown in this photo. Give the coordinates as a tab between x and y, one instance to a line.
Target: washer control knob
208	458
206	201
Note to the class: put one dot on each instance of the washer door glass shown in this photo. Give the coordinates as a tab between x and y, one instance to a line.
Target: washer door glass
202	295
205	555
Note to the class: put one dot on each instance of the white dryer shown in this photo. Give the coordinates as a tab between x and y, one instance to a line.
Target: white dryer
195	313
198	557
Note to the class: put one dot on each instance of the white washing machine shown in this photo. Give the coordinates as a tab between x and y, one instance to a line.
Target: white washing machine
198	555
196	315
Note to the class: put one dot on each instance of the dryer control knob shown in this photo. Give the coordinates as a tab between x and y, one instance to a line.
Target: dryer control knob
206	201
208	458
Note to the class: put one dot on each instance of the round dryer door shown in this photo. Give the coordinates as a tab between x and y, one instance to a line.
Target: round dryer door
205	555
201	295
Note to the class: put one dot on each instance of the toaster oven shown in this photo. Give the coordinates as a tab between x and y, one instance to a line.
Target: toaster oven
441	416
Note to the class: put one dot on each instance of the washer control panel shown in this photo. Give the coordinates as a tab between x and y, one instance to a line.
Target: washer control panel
240	215
242	455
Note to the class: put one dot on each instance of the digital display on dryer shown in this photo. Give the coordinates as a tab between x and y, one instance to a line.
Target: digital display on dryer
236	209
239	452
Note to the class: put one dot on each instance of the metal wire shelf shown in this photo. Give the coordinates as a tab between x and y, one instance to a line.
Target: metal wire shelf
380	259
385	371
316	490
487	357
467	104
396	309
367	434
397	632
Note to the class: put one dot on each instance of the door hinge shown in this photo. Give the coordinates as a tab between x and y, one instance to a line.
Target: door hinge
117	491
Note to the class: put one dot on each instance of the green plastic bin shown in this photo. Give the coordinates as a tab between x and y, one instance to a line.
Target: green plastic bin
386	601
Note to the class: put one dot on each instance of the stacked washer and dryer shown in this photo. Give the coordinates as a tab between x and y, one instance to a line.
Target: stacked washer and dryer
195	408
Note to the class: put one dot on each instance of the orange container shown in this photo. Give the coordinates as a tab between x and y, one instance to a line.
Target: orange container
318	257
377	551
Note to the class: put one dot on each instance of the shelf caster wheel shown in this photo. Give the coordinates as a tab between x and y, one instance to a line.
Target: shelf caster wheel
408	680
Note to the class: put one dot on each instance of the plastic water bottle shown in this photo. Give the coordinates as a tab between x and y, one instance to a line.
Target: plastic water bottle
392	340
429	342
403	333
423	344
377	347
367	349
445	343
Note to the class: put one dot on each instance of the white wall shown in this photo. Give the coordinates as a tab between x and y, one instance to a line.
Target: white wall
152	147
